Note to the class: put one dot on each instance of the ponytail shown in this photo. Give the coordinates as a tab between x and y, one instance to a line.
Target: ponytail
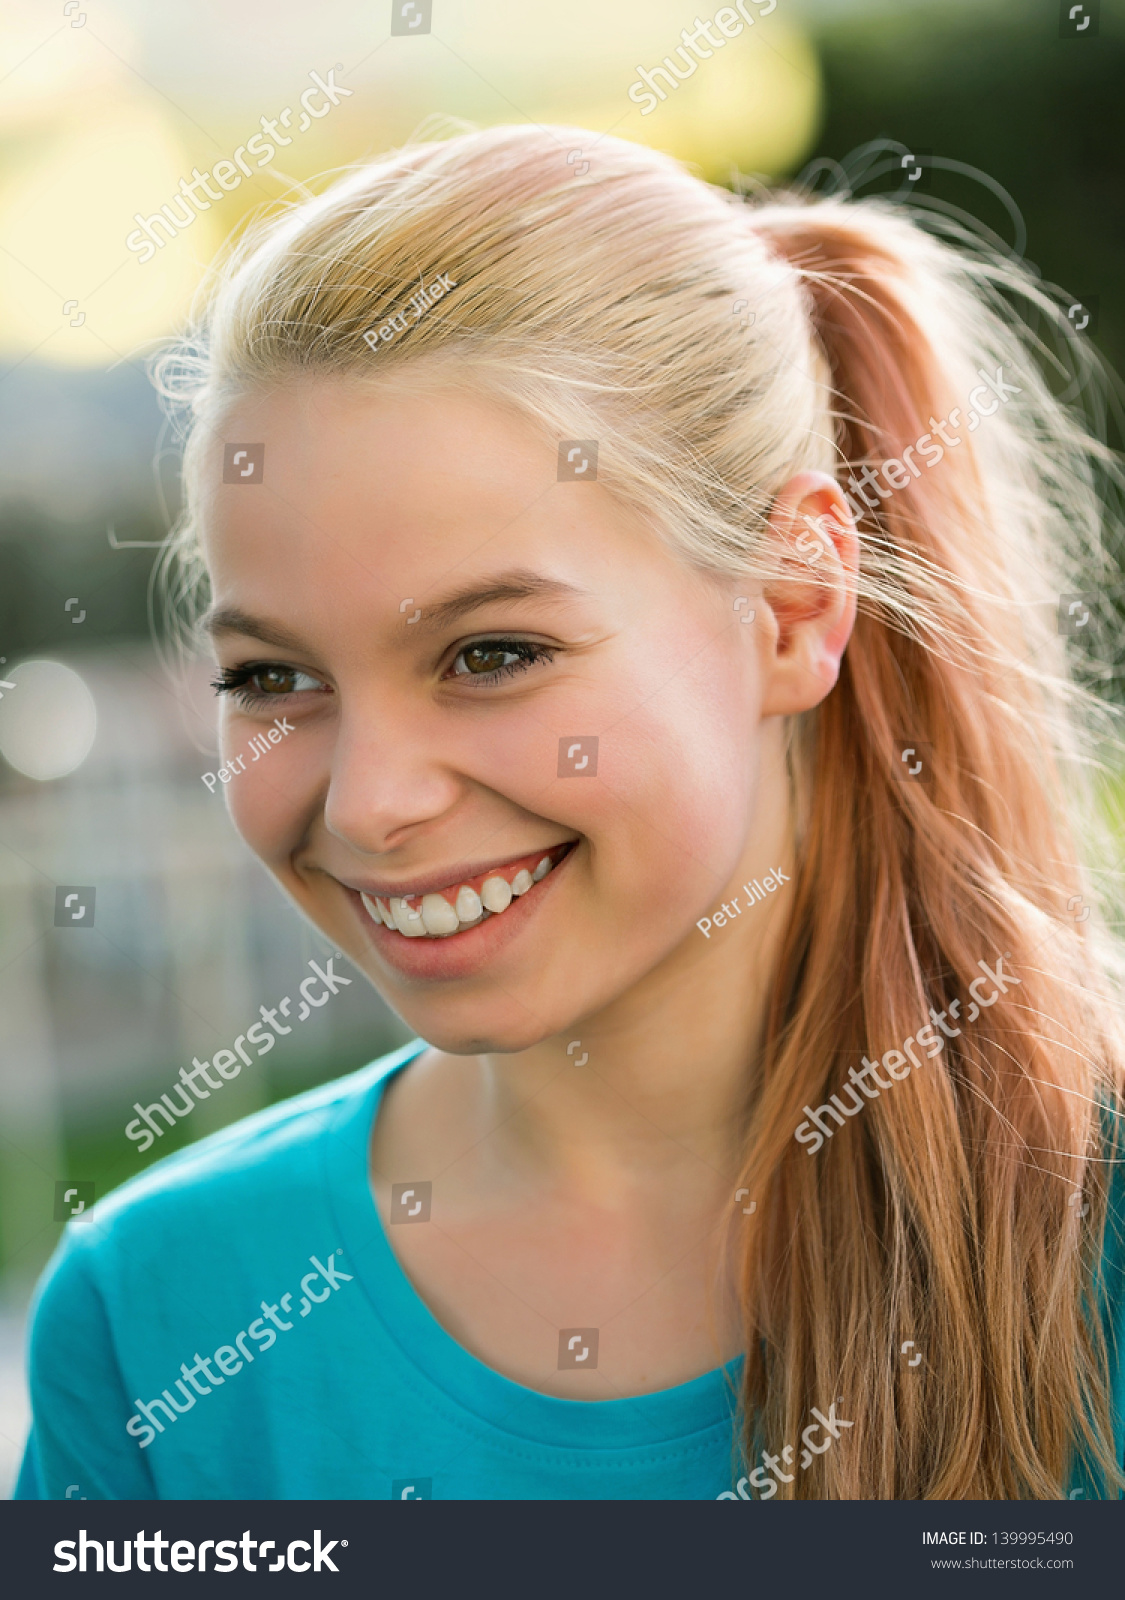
935	931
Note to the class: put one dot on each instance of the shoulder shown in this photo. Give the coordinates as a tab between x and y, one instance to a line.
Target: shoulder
278	1139
235	1191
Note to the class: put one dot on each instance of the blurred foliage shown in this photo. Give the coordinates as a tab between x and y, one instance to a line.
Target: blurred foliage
96	1149
997	88
43	565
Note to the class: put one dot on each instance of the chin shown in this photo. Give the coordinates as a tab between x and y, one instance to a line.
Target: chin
478	1037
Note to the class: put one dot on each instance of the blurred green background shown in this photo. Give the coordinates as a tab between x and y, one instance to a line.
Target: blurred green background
99	120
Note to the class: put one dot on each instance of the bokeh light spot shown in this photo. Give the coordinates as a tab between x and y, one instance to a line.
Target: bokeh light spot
48	719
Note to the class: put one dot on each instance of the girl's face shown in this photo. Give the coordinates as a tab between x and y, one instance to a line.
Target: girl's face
473	663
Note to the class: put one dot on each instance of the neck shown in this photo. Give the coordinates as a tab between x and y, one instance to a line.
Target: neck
660	1079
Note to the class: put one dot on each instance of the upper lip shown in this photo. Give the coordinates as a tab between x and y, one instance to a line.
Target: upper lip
446	878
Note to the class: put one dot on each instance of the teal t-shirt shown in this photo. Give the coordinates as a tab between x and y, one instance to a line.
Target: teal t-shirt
351	1390
233	1325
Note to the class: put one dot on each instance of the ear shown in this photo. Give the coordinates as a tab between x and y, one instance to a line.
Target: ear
809	609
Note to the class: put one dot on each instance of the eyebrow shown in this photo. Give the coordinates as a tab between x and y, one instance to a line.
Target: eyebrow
518	584
232	619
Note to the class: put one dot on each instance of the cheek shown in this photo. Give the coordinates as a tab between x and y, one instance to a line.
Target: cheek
657	768
678	792
271	799
680	804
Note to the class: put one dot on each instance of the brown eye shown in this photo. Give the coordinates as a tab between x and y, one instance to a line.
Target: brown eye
480	658
250	683
490	661
275	680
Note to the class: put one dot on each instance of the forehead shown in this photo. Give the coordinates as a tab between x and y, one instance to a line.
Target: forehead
380	490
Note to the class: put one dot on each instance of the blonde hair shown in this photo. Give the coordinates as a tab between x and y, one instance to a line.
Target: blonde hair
606	305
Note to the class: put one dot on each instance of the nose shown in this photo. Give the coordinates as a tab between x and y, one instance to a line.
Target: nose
388	776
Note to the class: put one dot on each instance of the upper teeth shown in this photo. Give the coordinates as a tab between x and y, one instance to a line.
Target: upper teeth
496	893
468	904
436	916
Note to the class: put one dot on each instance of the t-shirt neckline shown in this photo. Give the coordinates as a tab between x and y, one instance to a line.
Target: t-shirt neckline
665	1415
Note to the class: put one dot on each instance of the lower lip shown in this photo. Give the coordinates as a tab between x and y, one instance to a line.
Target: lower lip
461	954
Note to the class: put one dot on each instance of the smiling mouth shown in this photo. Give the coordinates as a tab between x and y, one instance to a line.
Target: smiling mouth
460	906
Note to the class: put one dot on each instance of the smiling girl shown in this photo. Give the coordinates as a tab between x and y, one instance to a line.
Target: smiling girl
683	744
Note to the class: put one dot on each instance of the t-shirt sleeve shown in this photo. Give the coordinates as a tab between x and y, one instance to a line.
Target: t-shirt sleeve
78	1447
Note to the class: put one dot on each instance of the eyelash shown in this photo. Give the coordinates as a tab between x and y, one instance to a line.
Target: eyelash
527	654
236	680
